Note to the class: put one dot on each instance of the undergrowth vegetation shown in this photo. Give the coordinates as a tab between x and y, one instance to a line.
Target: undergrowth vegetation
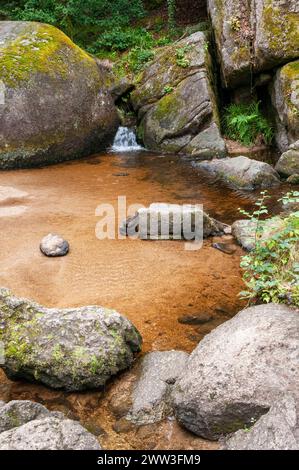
246	124
271	270
123	31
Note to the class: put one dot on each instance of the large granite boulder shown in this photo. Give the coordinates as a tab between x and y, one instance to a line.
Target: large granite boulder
56	105
176	102
276	430
239	371
74	349
242	172
285	100
253	36
25	425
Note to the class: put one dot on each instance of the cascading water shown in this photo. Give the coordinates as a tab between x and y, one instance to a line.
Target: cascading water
125	141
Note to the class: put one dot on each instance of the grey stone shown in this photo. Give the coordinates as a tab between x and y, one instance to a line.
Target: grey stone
25	425
176	104
288	164
252	37
285	101
172	221
242	172
56	101
239	370
151	395
54	245
74	348
276	430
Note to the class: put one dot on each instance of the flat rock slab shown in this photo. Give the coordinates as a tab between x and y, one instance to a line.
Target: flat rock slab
26	425
73	349
238	371
151	395
242	172
53	245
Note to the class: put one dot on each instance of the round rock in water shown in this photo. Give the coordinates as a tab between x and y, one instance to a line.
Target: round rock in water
54	245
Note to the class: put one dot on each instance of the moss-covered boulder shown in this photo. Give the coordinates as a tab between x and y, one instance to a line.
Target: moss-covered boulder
55	102
176	103
253	36
73	349
285	100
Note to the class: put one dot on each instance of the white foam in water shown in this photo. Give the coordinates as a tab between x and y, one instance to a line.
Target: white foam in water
125	141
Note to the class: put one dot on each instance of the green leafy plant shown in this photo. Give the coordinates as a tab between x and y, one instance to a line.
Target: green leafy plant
271	269
85	21
181	59
245	123
168	89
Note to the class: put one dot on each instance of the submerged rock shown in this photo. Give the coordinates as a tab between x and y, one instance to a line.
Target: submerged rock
239	370
56	100
242	172
151	394
253	36
285	101
162	221
176	102
74	348
25	425
54	245
276	430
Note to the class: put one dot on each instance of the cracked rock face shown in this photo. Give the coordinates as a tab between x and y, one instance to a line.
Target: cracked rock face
276	430
253	36
239	371
242	172
26	425
74	349
176	103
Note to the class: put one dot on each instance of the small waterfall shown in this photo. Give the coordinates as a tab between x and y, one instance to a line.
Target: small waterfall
125	141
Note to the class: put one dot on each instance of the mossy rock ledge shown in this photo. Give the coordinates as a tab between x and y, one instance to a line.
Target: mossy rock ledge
73	349
55	104
285	101
176	101
253	36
